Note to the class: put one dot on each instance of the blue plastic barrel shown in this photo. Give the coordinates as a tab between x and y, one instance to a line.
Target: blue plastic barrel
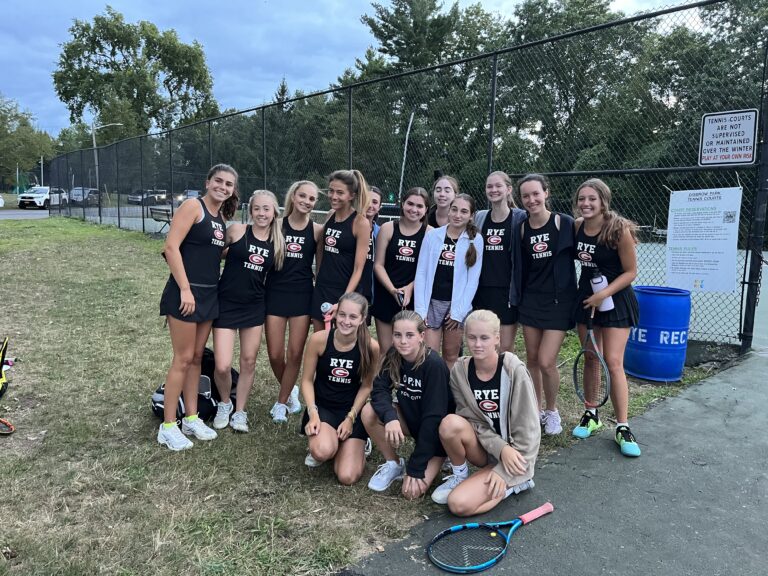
657	345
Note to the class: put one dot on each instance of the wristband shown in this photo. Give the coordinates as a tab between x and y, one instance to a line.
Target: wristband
352	415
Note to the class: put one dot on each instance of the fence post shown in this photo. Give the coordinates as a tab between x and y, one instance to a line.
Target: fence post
349	127
210	149
82	182
141	183
170	167
264	146
757	227
492	120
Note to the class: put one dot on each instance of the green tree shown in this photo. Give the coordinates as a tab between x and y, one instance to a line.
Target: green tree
21	144
132	73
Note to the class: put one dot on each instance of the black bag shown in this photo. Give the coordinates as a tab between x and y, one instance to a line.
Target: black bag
208	397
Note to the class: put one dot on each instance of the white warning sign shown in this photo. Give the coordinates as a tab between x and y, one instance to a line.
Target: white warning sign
728	138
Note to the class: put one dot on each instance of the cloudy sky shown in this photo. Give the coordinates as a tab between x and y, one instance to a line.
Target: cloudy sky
250	45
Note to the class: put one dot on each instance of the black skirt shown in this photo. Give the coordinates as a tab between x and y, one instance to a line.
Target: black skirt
288	304
540	311
625	313
334	418
385	307
234	315
496	299
206	302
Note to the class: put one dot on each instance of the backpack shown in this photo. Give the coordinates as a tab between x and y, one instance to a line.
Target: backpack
208	397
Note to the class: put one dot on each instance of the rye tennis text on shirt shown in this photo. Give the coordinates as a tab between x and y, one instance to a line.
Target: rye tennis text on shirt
331	237
292	250
540	243
648	335
259	255
405	250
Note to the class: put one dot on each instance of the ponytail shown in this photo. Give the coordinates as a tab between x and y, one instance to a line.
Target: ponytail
355	183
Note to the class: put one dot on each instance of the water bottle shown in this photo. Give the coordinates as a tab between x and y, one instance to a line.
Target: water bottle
600	282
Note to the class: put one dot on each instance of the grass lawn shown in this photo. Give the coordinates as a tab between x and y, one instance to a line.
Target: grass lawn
85	487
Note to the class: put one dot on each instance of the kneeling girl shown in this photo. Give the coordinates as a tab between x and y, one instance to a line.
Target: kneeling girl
420	380
496	425
339	366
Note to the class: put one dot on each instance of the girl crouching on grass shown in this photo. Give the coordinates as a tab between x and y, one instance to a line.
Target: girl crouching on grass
420	380
339	366
190	299
253	250
496	425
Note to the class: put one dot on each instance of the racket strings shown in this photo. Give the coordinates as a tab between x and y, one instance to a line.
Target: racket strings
470	547
593	378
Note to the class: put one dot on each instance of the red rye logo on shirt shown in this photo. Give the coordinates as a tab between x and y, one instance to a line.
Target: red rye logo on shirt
330	241
448	255
293	247
219	234
256	259
405	251
494	240
540	247
340	372
585	256
488	406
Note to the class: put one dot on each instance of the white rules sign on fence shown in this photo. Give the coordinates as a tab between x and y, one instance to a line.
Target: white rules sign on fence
702	239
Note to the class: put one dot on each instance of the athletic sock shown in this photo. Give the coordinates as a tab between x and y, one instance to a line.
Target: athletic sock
619	424
191	418
461	470
592	411
167	425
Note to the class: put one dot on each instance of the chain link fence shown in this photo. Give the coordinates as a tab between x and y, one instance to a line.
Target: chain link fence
618	100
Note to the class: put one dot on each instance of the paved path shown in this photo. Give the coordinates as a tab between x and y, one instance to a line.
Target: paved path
17	214
695	503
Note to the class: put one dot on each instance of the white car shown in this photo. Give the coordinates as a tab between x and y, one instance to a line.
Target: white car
42	197
2	202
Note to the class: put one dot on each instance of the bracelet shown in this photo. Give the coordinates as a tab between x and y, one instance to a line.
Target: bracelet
352	415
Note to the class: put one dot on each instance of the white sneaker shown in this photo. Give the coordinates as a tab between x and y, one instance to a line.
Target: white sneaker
279	413
440	495
542	418
173	438
311	462
368	447
552	424
386	474
517	488
239	421
222	415
198	429
294	405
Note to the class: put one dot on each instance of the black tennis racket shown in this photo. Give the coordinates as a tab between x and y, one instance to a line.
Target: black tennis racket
591	378
474	547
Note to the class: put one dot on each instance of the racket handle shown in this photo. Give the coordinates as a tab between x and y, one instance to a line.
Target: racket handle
537	513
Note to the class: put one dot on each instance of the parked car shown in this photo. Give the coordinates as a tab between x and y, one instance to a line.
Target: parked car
185	195
84	196
42	197
148	197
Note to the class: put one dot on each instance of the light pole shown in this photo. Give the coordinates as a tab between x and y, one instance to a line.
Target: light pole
96	151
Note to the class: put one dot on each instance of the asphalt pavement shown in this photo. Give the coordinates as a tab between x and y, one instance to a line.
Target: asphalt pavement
695	503
16	214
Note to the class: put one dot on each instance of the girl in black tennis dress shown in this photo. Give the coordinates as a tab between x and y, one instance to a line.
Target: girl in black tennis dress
289	295
548	292
190	301
397	253
339	366
346	240
253	250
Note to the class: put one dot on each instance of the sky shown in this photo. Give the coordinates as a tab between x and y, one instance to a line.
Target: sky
250	45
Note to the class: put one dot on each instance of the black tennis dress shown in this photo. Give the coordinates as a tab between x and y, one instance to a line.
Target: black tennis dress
289	290
339	245
242	285
201	254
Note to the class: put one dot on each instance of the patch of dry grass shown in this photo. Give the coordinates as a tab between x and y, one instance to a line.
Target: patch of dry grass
85	487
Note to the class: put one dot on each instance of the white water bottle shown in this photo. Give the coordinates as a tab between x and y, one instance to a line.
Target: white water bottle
600	282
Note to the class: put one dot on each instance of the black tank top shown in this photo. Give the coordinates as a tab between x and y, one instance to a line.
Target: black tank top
202	247
245	270
591	254
337	376
488	394
402	255
338	252
296	273
539	247
442	288
497	265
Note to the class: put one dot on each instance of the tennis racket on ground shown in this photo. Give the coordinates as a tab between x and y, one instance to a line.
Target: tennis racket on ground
591	378
474	547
